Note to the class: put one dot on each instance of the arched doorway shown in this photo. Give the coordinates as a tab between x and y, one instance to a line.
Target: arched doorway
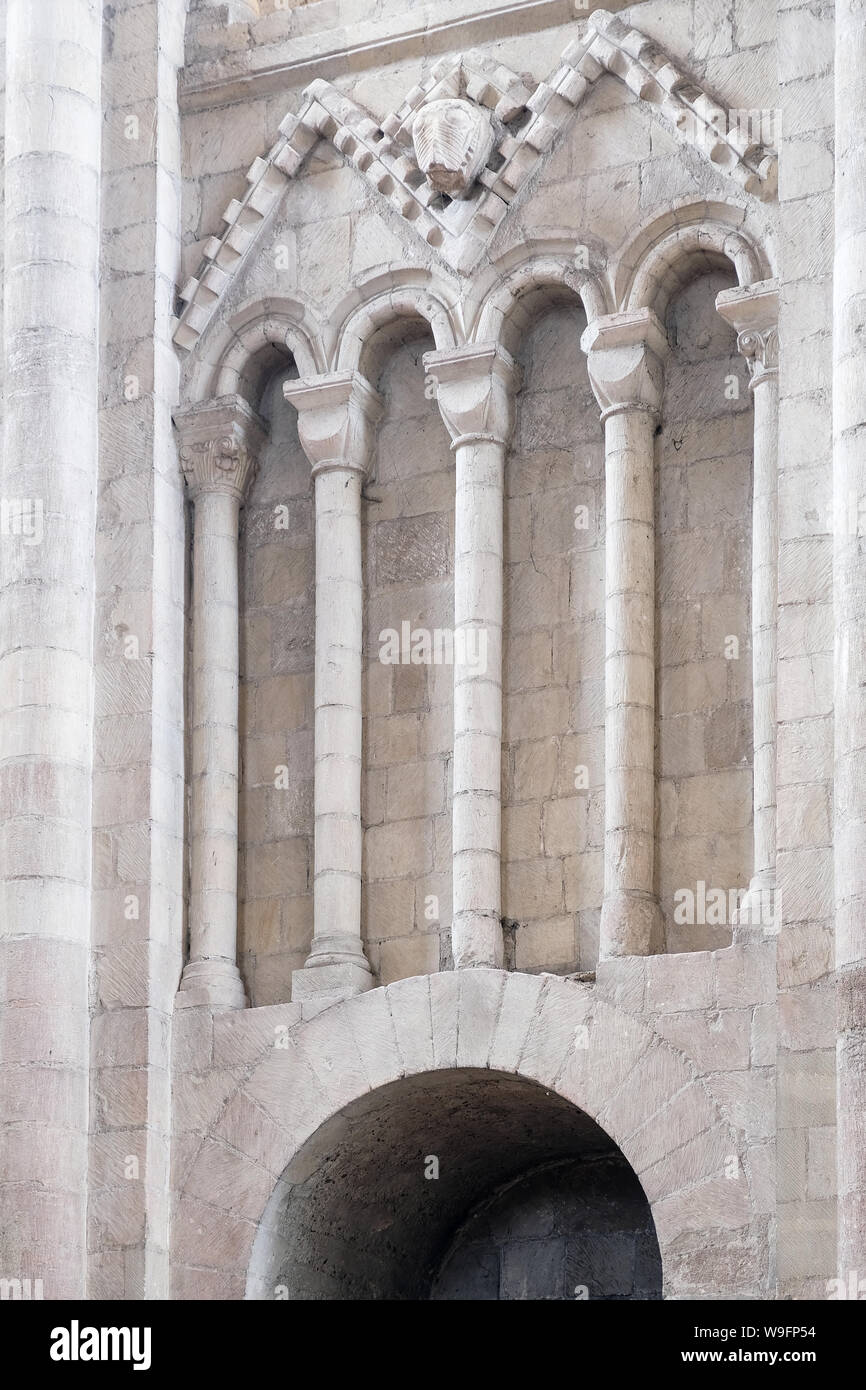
332	1108
463	1183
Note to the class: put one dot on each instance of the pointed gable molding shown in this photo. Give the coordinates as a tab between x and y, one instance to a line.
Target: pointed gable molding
527	124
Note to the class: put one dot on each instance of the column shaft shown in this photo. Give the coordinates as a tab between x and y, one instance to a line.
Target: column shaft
753	311
219	440
476	806
339	628
214	811
47	528
765	542
475	387
630	914
625	354
337	414
849	495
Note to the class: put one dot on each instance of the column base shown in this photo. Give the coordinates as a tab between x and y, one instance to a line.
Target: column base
476	939
337	980
758	914
631	925
215	983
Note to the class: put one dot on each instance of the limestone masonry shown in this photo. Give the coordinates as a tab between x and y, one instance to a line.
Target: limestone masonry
433	650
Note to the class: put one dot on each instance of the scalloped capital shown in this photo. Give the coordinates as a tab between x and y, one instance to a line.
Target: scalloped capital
475	389
625	358
337	417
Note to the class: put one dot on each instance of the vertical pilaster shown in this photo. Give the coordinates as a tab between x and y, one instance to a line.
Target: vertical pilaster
849	573
47	496
475	391
219	442
753	311
804	1017
625	355
140	775
337	415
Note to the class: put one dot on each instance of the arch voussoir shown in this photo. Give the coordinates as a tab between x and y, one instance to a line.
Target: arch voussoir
559	1024
682	1167
657	1073
478	1010
409	1003
369	1019
444	1017
250	1131
519	1001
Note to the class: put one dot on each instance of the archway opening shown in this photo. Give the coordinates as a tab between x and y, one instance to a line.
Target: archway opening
457	1184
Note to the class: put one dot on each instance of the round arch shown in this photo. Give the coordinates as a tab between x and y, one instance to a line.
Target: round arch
539	280
387	1199
383	303
556	1034
243	351
673	249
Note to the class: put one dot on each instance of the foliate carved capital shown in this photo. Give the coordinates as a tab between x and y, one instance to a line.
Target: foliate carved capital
337	417
761	351
753	310
625	358
475	390
220	441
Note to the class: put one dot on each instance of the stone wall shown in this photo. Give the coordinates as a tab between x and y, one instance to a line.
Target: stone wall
807	1026
276	722
703	618
711	1066
553	707
574	1231
493	1074
408	531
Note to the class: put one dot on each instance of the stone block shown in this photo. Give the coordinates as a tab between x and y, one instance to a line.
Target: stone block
401	957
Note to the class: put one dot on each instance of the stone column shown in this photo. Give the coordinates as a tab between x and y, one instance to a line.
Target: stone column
475	390
625	356
47	535
849	597
753	311
219	441
337	415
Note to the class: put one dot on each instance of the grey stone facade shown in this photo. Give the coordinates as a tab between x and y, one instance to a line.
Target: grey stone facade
432	810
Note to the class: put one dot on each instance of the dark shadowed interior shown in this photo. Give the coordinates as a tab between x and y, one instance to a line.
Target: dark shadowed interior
532	1200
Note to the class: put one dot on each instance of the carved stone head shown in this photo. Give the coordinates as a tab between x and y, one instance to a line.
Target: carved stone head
453	139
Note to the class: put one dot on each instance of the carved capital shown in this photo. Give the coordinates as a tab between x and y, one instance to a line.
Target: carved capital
625	357
337	417
753	310
475	389
219	445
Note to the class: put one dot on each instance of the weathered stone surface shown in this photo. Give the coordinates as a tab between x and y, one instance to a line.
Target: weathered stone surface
357	684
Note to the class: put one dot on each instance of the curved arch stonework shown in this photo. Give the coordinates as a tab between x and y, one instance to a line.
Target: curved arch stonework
540	277
278	1078
383	299
685	241
228	348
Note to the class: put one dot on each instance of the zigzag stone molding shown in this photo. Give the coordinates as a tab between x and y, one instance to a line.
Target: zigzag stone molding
526	124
